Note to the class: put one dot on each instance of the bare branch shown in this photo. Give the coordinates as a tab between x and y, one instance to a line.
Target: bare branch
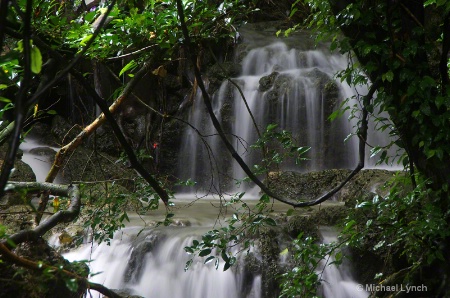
132	53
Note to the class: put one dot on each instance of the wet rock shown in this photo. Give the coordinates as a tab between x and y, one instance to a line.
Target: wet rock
140	249
219	72
265	83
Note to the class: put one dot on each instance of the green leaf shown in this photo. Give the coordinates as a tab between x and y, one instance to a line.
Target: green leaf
269	221
209	259
130	65
90	16
205	252
284	252
388	76
271	127
264	199
189	250
71	284
85	40
226	266
290	212
188	264
36	60
379	245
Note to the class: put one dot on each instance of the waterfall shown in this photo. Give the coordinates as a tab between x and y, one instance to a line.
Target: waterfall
152	265
291	85
337	281
151	262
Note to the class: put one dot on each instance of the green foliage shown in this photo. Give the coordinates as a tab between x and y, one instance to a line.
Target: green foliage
406	223
277	145
302	280
245	222
109	204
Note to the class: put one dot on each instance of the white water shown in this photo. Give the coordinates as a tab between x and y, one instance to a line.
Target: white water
151	264
337	281
299	106
40	164
158	270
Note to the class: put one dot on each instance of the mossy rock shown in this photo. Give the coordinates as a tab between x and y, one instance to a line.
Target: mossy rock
312	185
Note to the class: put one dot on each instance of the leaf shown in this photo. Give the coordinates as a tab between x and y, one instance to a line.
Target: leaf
71	284
189	249
36	60
85	40
379	245
264	199
284	252
188	264
269	221
160	71
205	252
90	16
290	212
388	76
271	127
209	259
226	266
130	65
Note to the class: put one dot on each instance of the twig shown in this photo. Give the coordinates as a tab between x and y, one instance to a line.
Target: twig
131	54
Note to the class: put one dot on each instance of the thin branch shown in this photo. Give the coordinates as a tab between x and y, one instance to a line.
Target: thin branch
131	54
236	156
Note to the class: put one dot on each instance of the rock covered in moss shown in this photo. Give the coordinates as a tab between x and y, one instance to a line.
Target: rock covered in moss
312	185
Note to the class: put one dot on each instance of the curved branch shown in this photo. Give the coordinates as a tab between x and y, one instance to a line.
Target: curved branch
236	156
70	191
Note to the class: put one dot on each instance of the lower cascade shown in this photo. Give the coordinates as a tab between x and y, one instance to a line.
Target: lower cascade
150	263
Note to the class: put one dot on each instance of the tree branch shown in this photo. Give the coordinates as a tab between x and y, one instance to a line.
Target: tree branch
70	191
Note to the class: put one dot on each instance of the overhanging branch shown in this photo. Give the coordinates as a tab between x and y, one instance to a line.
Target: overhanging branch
207	101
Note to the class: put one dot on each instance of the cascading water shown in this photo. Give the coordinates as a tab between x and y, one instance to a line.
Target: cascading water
290	85
337	282
150	264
